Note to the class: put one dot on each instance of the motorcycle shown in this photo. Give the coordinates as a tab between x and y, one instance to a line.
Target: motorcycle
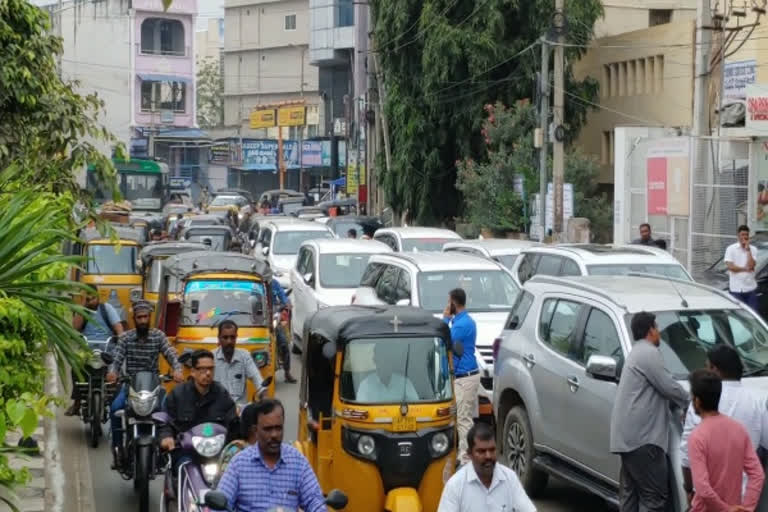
94	392
217	500
141	457
197	476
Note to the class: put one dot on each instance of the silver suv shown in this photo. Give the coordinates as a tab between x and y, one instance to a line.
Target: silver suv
560	356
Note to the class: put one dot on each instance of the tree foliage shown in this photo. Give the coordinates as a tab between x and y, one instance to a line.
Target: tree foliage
210	93
441	61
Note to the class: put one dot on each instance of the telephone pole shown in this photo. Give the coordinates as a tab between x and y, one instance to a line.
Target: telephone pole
558	149
544	128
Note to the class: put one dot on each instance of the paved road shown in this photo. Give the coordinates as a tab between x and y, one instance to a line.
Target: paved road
90	480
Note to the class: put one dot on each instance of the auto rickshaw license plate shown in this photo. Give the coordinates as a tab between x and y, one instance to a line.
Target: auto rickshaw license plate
404	424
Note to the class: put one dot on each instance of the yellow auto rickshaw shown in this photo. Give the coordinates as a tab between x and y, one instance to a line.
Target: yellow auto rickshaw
378	417
110	266
151	260
211	287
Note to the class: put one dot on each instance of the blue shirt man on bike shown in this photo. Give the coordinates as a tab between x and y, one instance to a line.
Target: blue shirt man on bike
281	302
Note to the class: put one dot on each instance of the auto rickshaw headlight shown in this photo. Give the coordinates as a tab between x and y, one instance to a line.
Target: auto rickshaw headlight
366	446
439	444
261	358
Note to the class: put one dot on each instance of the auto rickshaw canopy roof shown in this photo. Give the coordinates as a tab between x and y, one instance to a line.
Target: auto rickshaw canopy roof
182	265
160	249
340	324
123	233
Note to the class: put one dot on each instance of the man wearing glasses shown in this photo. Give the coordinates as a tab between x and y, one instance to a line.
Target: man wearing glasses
641	418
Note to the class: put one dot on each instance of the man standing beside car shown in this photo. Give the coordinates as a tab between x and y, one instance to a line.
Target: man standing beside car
740	259
640	420
467	373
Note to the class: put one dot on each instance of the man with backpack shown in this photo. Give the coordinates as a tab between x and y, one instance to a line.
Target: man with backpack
105	323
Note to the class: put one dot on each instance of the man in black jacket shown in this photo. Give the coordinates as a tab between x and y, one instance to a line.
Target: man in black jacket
199	400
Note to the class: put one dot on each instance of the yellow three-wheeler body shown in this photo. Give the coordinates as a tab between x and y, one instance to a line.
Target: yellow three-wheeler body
378	417
211	287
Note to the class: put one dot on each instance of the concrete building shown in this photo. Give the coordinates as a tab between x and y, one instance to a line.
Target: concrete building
210	42
266	61
622	16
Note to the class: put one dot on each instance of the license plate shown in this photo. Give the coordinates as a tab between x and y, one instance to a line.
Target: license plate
404	424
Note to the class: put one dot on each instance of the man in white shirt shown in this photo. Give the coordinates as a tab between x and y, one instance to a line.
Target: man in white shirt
234	366
484	486
736	402
385	385
740	259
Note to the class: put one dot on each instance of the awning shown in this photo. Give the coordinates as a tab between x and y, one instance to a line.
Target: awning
150	77
256	167
340	182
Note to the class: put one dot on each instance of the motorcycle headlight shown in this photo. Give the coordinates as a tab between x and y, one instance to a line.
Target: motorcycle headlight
210	471
439	444
142	402
261	358
208	446
95	360
366	446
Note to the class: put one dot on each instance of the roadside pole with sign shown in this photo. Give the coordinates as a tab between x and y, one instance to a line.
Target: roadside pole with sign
287	114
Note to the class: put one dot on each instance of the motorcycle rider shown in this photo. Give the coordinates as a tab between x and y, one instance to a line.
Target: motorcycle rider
139	349
282	302
199	400
234	366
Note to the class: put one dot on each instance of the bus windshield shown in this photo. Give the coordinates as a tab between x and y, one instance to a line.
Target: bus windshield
143	190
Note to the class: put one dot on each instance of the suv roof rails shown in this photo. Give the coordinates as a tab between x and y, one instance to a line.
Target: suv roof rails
701	286
563	281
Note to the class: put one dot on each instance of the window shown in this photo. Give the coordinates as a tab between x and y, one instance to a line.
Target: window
558	322
161	36
570	268
301	261
600	338
342	270
290	22
265	238
102	259
163	96
385	287
527	267
549	265
633	77
659	17
389	240
345	13
519	311
487	290
371	274
403	290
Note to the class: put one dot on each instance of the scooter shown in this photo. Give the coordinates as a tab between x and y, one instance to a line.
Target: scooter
217	500
94	392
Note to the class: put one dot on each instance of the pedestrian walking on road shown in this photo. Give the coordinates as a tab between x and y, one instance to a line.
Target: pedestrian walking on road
484	486
640	420
467	374
740	259
720	450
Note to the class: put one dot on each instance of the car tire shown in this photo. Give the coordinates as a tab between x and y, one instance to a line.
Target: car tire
518	451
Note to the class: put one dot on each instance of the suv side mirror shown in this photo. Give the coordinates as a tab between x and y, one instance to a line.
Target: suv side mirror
265	251
602	368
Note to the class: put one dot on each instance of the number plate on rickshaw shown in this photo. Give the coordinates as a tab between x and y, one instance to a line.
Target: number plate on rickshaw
404	424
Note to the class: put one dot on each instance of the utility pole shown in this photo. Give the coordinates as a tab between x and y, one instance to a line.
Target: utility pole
544	127
558	150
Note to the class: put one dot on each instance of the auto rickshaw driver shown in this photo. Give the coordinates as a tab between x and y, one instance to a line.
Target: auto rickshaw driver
386	383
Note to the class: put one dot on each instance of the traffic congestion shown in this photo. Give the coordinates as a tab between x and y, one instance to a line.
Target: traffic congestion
420	358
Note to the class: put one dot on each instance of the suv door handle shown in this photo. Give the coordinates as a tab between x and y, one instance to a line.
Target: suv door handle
573	383
530	361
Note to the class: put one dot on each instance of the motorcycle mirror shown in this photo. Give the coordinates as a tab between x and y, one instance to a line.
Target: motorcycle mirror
266	382
216	500
107	358
336	499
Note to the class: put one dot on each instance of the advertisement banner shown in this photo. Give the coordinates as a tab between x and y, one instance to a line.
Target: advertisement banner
668	171
291	116
657	186
261	155
757	107
220	152
737	76
312	153
263	119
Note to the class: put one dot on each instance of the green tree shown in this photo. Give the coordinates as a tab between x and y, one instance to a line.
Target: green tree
441	61
210	93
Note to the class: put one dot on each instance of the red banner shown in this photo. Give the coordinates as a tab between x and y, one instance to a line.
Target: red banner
657	186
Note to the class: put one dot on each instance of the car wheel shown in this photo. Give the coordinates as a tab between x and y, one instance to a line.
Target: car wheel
518	452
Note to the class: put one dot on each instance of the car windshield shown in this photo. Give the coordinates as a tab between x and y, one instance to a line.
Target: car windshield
669	270
396	370
108	259
342	270
288	242
506	259
424	244
487	290
207	302
216	242
687	335
228	200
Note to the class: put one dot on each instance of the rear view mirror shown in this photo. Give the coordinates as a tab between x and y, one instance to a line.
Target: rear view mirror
308	278
336	499
602	368
216	500
195	307
514	323
266	382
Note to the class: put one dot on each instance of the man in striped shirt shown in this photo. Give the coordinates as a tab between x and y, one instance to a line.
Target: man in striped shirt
139	349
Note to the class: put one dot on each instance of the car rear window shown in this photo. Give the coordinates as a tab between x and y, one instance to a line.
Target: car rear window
519	311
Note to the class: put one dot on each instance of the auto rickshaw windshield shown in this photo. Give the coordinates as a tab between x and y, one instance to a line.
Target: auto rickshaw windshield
108	259
392	371
208	302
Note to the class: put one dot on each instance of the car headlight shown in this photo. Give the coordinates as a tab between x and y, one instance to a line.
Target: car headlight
142	402
208	446
210	471
440	443
366	446
261	358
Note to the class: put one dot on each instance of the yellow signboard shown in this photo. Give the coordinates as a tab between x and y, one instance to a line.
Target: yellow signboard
352	181
291	116
263	118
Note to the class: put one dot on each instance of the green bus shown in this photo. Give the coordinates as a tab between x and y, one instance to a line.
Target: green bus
142	182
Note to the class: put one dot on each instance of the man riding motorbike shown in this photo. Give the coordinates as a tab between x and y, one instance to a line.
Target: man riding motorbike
234	366
105	323
139	348
282	302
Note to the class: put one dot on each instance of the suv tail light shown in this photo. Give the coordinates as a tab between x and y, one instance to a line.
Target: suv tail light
496	345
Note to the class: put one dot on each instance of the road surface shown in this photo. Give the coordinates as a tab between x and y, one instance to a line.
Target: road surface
90	480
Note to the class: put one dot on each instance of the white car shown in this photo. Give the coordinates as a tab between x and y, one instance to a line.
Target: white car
327	273
415	239
279	242
503	250
425	279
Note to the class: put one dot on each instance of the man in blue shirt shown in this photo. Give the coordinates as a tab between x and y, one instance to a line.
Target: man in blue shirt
464	335
270	473
281	301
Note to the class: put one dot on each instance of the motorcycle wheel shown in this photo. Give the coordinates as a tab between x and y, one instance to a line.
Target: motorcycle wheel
142	475
95	413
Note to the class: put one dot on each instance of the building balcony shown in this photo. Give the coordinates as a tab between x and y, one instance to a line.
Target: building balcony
329	47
